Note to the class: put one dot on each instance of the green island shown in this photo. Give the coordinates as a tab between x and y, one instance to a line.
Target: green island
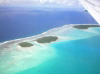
46	39
25	44
85	26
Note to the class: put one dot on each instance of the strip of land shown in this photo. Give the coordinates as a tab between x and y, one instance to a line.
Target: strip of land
25	44
47	39
85	26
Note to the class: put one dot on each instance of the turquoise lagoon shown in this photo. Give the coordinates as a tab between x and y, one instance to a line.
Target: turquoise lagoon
80	56
74	57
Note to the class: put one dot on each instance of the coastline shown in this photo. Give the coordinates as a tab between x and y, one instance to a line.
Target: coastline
43	34
31	36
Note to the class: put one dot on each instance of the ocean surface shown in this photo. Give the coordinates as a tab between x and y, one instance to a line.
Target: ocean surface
72	57
16	22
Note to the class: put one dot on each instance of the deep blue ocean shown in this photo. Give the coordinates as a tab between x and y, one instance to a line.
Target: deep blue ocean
16	22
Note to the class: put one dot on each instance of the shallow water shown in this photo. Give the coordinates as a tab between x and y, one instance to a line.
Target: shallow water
76	52
74	57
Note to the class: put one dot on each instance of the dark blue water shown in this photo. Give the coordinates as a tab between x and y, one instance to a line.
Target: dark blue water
23	22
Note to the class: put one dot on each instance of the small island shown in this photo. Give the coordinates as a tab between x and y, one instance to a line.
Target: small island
25	44
85	26
47	39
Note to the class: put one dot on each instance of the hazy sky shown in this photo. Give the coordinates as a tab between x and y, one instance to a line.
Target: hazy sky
39	2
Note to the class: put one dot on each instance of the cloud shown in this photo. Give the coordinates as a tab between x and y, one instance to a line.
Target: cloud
39	2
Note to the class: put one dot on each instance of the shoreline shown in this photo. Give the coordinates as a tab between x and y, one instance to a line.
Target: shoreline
43	34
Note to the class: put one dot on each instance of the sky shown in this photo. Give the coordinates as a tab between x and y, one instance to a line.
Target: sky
39	2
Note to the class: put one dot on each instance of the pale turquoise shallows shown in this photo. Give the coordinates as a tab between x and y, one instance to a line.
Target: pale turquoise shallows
73	57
